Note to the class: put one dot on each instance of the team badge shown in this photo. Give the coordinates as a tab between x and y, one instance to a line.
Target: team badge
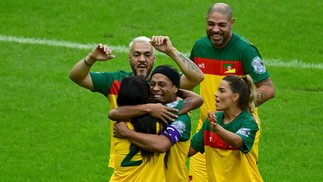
244	131
229	68
258	66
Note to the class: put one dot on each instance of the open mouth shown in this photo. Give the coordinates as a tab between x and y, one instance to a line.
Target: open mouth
216	37
217	102
158	97
142	66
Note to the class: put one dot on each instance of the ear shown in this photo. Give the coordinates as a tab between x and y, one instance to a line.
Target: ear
232	22
176	89
235	97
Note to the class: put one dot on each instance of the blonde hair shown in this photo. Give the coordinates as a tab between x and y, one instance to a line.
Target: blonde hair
142	39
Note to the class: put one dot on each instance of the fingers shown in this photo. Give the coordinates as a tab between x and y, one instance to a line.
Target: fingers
211	116
159	40
169	109
104	48
168	116
169	113
118	129
164	120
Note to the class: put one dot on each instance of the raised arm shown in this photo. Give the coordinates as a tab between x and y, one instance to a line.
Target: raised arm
80	73
192	75
265	91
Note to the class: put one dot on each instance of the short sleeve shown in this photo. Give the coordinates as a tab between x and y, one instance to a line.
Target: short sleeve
248	132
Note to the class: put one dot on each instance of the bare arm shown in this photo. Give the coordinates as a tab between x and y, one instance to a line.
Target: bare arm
191	101
156	110
149	142
192	75
228	137
80	73
265	91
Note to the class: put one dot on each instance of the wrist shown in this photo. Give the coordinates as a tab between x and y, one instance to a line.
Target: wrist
90	60
172	52
127	133
147	108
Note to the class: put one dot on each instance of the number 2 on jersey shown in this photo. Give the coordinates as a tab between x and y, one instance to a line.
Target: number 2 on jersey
127	160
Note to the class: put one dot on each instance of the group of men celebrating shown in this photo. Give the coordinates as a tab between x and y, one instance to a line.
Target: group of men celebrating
213	57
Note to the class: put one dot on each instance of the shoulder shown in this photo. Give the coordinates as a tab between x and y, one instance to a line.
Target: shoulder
119	74
202	41
122	73
175	104
244	44
242	41
248	119
246	115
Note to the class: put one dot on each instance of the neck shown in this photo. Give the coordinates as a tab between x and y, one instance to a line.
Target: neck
231	114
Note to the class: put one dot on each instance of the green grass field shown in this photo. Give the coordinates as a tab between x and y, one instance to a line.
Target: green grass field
53	130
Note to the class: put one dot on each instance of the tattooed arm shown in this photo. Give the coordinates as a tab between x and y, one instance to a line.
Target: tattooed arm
191	101
192	75
265	91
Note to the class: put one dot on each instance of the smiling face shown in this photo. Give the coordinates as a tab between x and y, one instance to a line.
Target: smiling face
142	58
224	97
162	89
219	28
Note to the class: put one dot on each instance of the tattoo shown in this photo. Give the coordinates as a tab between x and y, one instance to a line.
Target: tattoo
190	64
265	82
186	103
262	95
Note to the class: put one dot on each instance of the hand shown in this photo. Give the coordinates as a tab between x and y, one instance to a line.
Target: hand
164	113
120	129
212	119
101	53
162	44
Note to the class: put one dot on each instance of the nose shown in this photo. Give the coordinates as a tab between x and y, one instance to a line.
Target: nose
142	58
215	28
154	87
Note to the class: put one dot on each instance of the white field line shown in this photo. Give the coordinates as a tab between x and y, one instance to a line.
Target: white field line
56	43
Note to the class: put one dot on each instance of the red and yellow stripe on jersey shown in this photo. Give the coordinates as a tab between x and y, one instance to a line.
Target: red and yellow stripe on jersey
224	162
238	57
214	71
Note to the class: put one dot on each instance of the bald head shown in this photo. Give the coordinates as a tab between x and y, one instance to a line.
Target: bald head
221	8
